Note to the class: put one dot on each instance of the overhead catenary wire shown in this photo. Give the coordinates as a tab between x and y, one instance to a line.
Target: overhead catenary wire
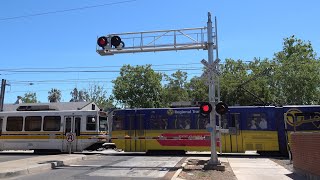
65	10
43	90
90	71
93	67
41	83
77	80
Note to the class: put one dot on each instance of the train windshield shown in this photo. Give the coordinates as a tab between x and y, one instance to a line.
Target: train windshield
103	122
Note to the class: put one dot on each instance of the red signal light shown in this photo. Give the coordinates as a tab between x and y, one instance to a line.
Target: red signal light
205	108
102	41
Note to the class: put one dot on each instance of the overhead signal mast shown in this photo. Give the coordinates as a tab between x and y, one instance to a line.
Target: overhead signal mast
152	41
174	40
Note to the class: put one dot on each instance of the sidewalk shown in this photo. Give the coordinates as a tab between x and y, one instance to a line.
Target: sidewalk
258	168
36	164
245	168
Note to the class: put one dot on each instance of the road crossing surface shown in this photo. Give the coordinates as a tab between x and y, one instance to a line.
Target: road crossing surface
113	167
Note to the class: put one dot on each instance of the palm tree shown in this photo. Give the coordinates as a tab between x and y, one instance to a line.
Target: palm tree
77	96
54	95
74	95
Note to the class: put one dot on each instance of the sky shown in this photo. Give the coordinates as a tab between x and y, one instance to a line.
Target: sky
56	35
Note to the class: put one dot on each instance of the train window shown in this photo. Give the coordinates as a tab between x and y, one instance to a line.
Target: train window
32	123
78	125
257	121
158	122
117	122
103	123
203	122
140	119
183	121
91	123
131	122
68	125
51	123
235	118
14	123
224	122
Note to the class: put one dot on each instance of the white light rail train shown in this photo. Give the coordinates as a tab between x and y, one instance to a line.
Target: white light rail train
31	128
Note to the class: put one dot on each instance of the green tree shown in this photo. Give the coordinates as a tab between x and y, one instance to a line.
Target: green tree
29	97
74	95
260	80
297	75
197	89
175	90
97	94
138	87
54	95
78	96
234	73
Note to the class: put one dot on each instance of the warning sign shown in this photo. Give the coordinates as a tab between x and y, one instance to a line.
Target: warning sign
70	137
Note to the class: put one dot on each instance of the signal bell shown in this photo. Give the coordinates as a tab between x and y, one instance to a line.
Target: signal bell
205	108
221	108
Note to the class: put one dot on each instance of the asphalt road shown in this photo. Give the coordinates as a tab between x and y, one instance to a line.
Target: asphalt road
15	155
119	166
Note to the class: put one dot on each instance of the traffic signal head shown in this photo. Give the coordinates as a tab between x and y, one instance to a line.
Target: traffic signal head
102	41
221	108
205	108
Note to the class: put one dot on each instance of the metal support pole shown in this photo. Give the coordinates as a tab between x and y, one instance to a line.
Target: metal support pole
3	87
218	79
214	156
70	146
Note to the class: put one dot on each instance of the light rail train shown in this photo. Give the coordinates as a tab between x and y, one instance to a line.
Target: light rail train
30	128
265	129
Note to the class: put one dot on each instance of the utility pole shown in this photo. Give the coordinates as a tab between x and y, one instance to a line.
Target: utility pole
3	88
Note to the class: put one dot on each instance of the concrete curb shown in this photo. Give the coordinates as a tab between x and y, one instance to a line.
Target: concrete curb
40	167
23	171
175	176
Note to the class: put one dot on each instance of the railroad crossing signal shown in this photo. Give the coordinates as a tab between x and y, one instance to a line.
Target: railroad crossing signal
211	71
153	41
222	108
166	40
205	108
107	43
102	42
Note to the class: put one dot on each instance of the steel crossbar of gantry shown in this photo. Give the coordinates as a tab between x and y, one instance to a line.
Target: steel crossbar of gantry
161	40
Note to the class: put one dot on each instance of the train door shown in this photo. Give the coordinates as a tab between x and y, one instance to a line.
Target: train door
140	140
130	134
72	127
135	141
231	134
119	129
